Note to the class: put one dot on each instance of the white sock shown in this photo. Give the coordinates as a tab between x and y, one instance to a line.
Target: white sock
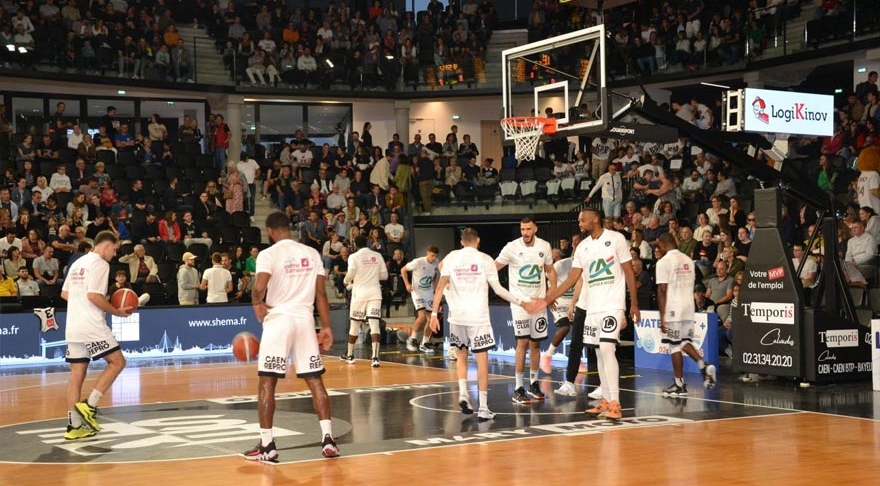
350	349
519	380
94	398
701	364
425	337
326	428
462	388
551	350
484	399
533	376
74	419
600	367
265	437
375	350
612	371
679	381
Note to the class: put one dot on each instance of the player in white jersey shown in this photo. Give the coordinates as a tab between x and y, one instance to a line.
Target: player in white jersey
530	269
288	287
465	277
421	286
365	269
675	290
88	336
603	261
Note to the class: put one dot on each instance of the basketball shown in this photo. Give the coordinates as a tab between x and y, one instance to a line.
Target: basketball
245	346
124	299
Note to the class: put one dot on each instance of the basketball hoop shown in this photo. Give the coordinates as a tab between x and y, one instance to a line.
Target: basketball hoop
525	131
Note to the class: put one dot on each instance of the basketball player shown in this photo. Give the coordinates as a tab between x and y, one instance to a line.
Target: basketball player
465	276
606	257
88	335
564	314
530	269
421	286
289	285
365	269
675	289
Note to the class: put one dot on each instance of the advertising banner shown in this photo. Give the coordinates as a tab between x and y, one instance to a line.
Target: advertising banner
788	112
835	351
767	324
148	333
875	352
652	353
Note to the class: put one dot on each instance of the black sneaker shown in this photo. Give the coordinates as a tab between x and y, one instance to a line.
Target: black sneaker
535	391
465	404
519	396
374	362
674	390
329	447
262	453
348	359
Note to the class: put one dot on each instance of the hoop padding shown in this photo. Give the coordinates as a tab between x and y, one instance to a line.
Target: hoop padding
525	131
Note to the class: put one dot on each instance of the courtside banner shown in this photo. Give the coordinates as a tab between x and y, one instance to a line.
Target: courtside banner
652	353
875	352
788	112
148	333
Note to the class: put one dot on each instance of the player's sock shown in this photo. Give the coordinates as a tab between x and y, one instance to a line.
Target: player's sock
600	368
519	381
326	427
350	349
94	398
265	437
533	376
425	337
462	387
701	364
74	419
551	350
375	350
484	399
612	370
679	381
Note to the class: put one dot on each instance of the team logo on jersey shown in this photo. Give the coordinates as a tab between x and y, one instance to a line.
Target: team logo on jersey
529	274
426	282
600	271
304	262
609	324
607	243
541	324
474	268
541	254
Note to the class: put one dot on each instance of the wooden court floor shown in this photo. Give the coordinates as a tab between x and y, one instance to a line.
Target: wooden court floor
163	425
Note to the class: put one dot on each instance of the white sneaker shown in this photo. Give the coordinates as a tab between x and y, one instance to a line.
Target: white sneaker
143	299
710	375
596	394
453	353
485	414
411	345
566	390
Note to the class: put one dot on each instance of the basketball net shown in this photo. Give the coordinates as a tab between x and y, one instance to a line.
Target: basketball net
525	131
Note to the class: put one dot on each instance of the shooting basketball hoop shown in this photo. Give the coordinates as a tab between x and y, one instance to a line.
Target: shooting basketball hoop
525	131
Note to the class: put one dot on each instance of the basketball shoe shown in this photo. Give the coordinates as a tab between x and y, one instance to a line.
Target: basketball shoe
88	414
599	409
374	362
465	404
566	390
412	344
485	414
595	394
80	432
426	349
613	412
262	453
535	391
348	359
709	376
329	447
674	390
519	396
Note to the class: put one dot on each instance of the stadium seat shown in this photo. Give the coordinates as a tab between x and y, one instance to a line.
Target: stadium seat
174	252
241	219
251	235
124	157
167	271
106	156
155	250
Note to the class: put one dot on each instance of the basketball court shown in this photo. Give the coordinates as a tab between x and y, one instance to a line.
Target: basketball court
186	421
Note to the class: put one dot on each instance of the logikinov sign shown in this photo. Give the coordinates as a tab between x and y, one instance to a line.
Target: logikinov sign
789	112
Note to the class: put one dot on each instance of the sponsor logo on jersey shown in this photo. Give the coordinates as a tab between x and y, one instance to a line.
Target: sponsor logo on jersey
530	275
600	271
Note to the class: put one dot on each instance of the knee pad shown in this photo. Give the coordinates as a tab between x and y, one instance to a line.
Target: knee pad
354	328
607	350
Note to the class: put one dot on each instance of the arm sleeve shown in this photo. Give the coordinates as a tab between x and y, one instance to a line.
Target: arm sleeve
503	293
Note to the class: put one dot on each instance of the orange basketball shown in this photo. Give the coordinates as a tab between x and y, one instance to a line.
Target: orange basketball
124	299
245	346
